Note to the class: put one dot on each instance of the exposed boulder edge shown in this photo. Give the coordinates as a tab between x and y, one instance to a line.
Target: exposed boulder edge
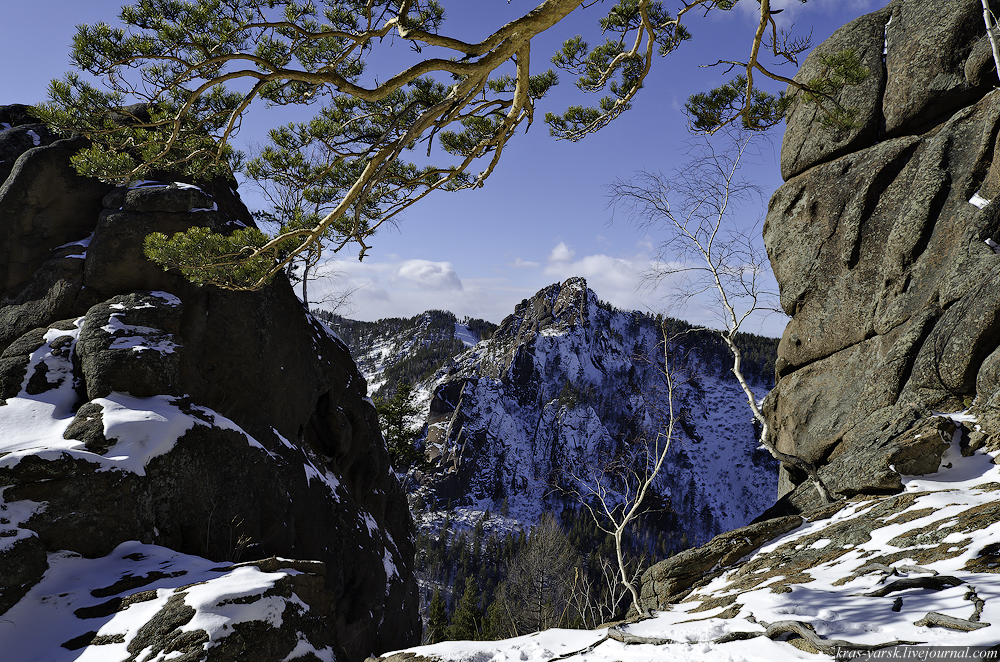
803	146
670	580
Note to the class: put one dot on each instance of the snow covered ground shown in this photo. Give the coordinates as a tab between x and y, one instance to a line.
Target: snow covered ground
931	550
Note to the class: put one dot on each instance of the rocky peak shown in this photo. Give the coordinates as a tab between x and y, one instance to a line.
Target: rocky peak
557	308
568	381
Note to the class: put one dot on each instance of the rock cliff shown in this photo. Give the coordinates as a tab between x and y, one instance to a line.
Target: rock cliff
174	447
883	243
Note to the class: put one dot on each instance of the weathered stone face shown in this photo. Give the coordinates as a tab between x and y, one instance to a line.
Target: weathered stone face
882	260
278	452
802	147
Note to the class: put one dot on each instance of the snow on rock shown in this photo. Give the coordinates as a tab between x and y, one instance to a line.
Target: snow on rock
160	602
463	333
34	424
177	197
82	243
978	200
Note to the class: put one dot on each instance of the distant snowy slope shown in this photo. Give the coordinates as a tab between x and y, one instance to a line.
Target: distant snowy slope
565	384
411	350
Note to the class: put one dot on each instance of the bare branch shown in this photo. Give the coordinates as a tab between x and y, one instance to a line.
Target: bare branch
708	190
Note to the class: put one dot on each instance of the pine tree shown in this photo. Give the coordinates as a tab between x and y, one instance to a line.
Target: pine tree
178	78
466	622
496	624
437	622
395	414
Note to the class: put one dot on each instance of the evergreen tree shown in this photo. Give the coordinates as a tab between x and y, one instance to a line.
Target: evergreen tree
466	622
496	624
437	623
165	105
400	439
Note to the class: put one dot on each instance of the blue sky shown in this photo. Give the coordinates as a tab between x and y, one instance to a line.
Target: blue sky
542	216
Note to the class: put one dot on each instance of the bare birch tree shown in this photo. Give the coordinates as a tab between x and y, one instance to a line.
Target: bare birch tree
705	250
616	494
990	21
538	588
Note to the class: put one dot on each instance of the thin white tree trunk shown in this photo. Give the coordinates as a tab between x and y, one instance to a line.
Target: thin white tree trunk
765	435
988	18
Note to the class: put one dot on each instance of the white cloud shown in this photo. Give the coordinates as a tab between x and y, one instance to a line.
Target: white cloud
430	275
623	282
524	264
561	253
617	280
404	288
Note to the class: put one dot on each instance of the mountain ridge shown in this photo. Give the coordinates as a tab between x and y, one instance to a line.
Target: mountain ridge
558	385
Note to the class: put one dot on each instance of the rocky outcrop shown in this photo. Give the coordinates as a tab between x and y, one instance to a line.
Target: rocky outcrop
566	383
883	247
138	409
883	241
863	573
670	580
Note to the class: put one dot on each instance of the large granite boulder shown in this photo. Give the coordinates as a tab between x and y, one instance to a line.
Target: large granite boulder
883	247
137	409
925	60
803	145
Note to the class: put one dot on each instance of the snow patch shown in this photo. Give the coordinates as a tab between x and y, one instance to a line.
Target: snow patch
304	648
85	242
152	183
217	606
463	333
144	427
978	200
37	626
